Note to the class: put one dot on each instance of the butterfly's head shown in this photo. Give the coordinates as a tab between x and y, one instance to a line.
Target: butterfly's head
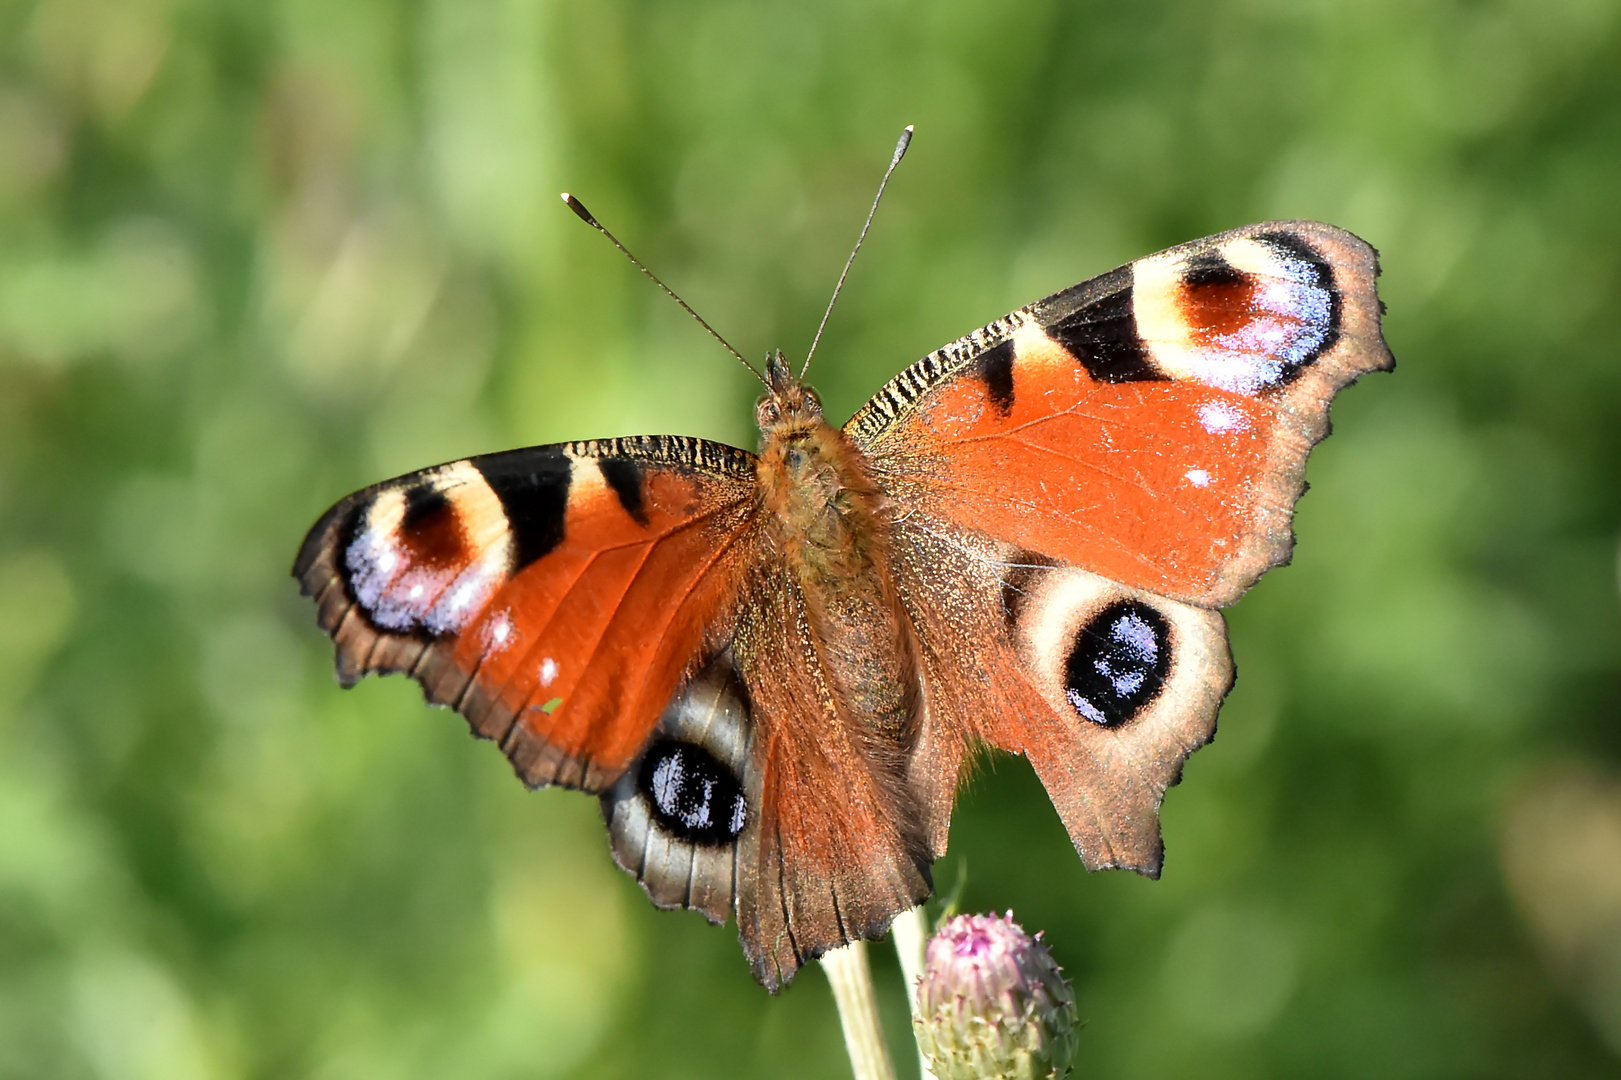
788	401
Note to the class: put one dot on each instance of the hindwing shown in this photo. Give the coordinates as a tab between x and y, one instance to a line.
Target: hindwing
1105	688
762	793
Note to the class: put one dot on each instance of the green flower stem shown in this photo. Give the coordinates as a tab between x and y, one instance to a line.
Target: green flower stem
911	932
851	979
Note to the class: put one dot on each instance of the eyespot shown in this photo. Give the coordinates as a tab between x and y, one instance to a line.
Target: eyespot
1119	663
691	794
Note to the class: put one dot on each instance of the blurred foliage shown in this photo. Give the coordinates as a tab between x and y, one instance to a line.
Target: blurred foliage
255	255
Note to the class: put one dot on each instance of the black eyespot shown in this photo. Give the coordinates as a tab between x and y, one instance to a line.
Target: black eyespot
1119	663
692	795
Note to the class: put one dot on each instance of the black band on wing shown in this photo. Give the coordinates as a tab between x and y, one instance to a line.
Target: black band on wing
624	476
533	488
1103	335
1208	270
423	503
995	367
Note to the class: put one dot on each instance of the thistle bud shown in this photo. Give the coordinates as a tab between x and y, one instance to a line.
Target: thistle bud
992	1003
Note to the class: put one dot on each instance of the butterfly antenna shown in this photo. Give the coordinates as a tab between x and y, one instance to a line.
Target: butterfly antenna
900	152
585	215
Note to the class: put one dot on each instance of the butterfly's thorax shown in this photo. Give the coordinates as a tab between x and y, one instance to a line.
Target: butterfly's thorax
831	525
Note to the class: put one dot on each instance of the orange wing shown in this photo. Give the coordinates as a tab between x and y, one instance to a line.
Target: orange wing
1150	425
555	596
1080	482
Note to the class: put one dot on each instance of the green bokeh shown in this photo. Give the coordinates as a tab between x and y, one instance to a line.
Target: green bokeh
255	255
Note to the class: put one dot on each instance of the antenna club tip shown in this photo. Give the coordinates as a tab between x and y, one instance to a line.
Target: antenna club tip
900	147
579	209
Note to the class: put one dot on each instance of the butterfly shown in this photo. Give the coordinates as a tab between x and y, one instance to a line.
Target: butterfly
773	667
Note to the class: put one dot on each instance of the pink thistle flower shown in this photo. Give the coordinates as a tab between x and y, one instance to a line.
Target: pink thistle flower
993	1003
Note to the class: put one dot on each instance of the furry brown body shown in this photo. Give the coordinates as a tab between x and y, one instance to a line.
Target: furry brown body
831	654
831	526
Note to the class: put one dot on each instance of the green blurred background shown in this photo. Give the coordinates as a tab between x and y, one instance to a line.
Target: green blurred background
254	255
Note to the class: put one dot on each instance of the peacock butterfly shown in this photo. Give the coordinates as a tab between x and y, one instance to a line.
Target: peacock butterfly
772	667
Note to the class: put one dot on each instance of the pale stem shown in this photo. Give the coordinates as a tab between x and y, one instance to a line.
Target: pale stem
911	932
851	979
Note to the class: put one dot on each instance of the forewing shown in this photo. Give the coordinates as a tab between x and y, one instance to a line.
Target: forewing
555	596
1150	425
